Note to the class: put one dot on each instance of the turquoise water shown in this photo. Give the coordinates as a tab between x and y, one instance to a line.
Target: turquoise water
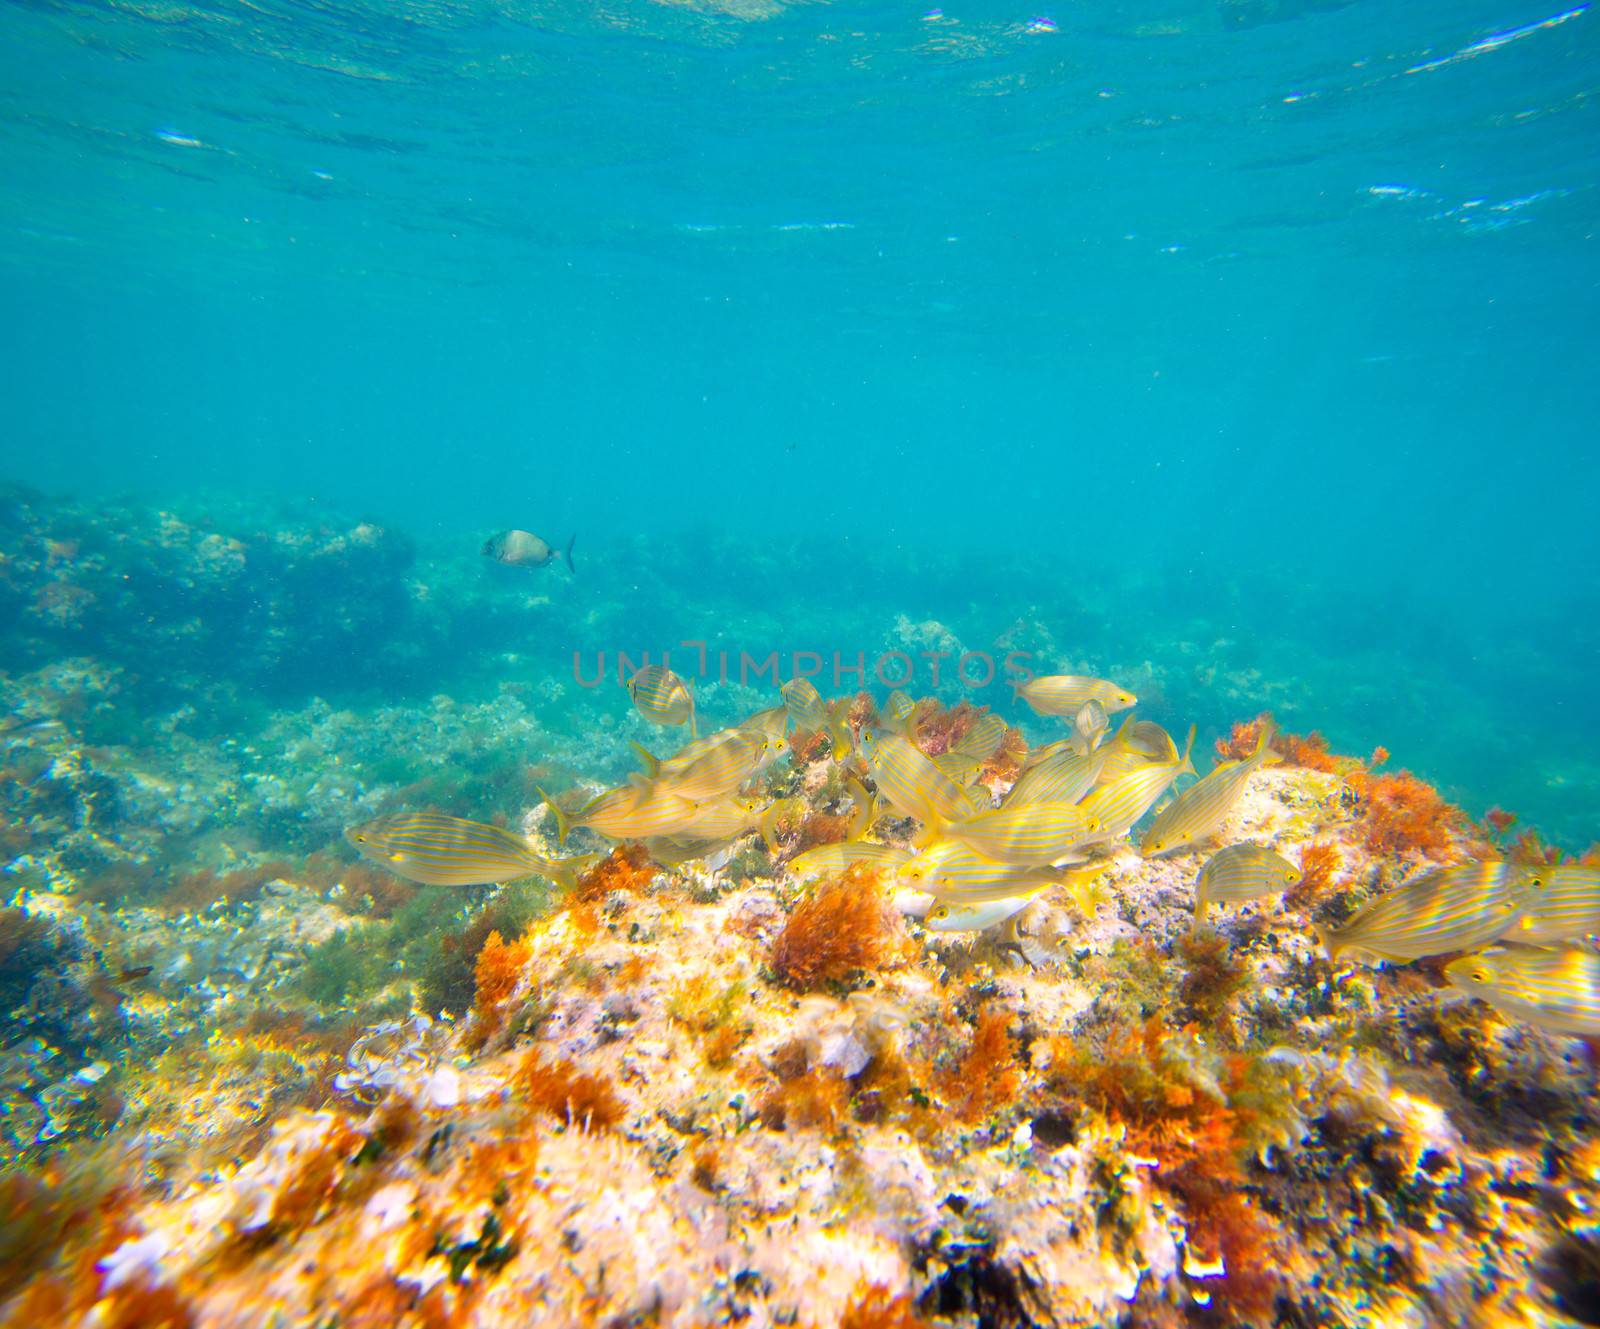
1244	348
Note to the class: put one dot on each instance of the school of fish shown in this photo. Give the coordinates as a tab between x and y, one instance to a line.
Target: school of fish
974	861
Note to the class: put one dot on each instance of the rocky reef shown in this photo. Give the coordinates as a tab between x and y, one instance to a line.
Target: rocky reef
249	1078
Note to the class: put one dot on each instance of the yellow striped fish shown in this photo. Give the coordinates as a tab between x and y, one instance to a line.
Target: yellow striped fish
1138	743
1196	813
837	857
1557	990
804	704
1563	905
1063	694
447	851
1242	872
866	808
721	770
953	870
898	713
1032	834
721	818
944	916
1455	908
1088	728
910	783
629	812
769	723
958	766
983	740
1118	804
1063	778
662	697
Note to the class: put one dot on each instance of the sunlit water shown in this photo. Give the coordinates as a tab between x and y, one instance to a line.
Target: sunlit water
1258	336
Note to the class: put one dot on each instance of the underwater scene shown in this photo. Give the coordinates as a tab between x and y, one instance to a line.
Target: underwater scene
704	663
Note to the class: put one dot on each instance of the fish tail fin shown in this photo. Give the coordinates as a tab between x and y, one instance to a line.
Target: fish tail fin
651	763
562	824
570	543
866	812
1186	766
929	834
769	827
1330	942
694	710
1264	755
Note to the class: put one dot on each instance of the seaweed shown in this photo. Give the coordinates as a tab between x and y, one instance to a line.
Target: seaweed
25	949
873	1306
936	729
1405	815
301	1200
807	746
205	889
1198	1121
626	868
1319	862
558	1088
141	1304
845	927
989	1074
496	973
1308	751
813	1100
346	964
446	961
1212	978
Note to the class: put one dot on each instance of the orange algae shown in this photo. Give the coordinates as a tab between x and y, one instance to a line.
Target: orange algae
988	1075
1198	1139
874	1306
844	927
1309	751
814	1100
1405	815
1318	863
626	868
496	973
557	1087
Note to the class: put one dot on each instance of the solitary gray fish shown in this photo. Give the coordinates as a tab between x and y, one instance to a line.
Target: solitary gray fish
524	549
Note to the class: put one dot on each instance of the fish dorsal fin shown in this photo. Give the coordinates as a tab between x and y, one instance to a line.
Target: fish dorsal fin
651	763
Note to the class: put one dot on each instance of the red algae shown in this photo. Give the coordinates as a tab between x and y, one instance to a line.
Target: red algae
1198	1140
1308	751
814	1100
1406	815
989	1074
807	746
875	1307
558	1088
626	868
1319	862
496	974
844	927
821	828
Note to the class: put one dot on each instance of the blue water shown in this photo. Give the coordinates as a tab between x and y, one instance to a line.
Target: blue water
1268	323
